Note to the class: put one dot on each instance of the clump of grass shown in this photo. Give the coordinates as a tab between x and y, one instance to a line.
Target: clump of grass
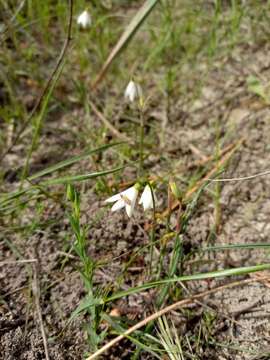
169	339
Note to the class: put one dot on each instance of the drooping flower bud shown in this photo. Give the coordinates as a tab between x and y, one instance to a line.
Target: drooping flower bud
146	199
84	20
133	91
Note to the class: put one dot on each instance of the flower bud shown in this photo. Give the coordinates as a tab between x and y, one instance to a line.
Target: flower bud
175	190
84	20
133	91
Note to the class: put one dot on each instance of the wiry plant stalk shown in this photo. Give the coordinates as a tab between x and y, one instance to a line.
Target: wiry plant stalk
141	149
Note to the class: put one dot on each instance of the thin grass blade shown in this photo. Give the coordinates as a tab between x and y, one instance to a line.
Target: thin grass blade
71	161
127	35
73	178
236	247
200	276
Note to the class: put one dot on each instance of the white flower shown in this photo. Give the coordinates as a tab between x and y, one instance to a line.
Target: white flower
147	199
125	199
84	20
133	91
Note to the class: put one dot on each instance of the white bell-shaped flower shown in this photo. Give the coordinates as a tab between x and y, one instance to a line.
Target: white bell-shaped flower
126	199
133	91
84	20
146	199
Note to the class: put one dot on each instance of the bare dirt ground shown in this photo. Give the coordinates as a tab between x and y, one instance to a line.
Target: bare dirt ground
240	316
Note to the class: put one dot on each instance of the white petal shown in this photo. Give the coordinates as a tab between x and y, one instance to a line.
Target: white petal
125	199
131	193
130	207
129	210
113	198
146	199
131	91
146	194
130	87
84	19
118	205
148	204
132	95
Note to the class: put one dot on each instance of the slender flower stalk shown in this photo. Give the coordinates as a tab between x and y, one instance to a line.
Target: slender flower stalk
134	92
141	140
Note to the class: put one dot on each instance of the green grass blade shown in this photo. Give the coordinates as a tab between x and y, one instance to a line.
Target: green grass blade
61	180
72	178
5	199
127	35
120	330
200	276
236	247
12	196
70	161
87	302
39	119
175	261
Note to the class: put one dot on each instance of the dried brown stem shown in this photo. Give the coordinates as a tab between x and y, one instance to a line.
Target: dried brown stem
167	309
36	293
106	122
13	262
207	177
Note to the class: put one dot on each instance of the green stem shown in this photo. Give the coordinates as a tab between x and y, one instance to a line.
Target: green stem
176	258
141	141
153	231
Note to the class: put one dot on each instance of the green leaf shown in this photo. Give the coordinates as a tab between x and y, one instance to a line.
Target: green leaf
72	160
6	199
256	87
72	178
200	276
236	247
86	303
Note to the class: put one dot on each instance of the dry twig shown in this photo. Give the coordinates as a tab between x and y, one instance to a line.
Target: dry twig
167	309
36	293
243	178
207	177
12	262
106	122
212	157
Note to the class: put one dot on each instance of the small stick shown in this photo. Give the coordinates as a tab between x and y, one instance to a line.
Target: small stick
200	163
167	309
212	172
211	157
249	177
106	122
11	262
207	177
36	293
197	152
